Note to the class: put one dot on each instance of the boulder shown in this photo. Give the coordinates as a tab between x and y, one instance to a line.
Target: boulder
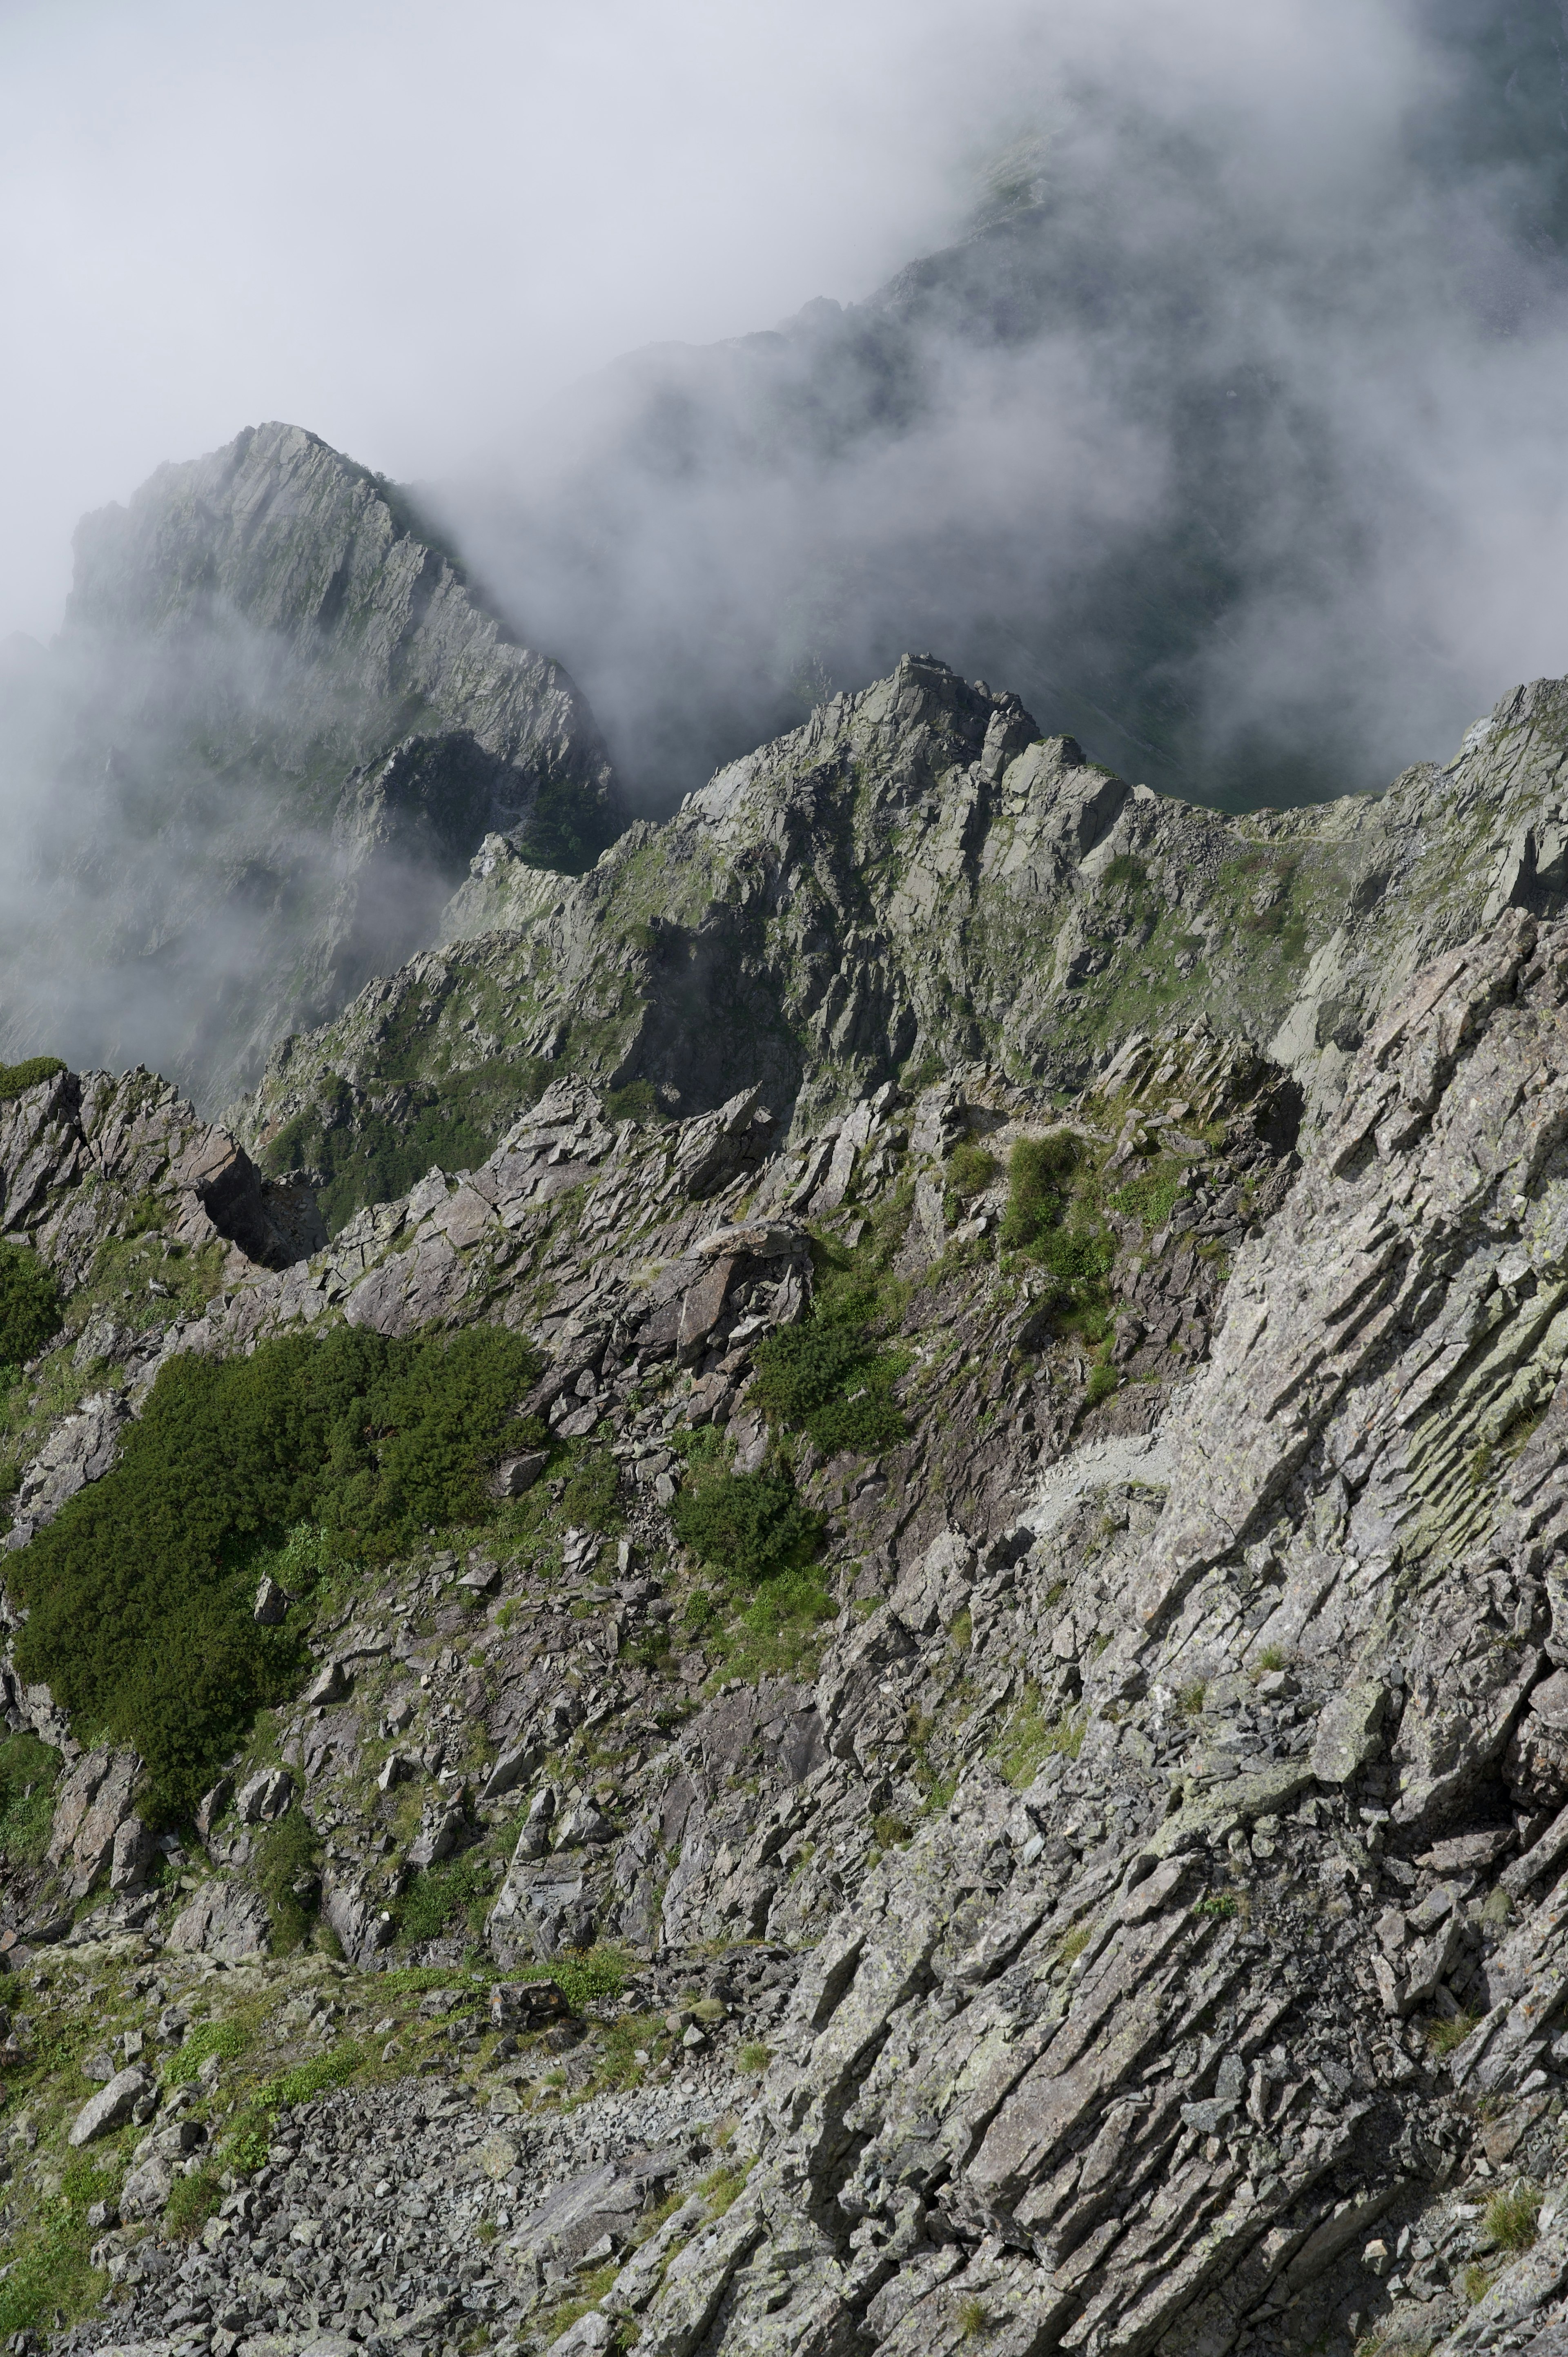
264	1796
222	1920
111	2107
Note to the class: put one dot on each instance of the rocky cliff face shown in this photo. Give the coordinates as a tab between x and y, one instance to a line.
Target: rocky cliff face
993	1771
915	880
274	728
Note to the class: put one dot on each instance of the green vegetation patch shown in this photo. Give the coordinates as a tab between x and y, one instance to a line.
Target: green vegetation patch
754	1534
1043	1222
15	1078
1151	1197
31	1304
139	1594
1030	1738
48	2273
228	2039
971	1169
286	1870
27	1773
363	1152
831	1377
459	1887
1126	868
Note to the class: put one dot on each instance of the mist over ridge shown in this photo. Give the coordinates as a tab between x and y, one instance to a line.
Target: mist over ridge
1227	436
1223	430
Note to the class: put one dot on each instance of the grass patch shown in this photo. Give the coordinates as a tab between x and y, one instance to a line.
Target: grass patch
49	2281
139	1594
225	2038
971	1169
586	1976
246	2147
1150	1197
754	2056
458	1887
27	1773
1443	2036
192	2200
1126	868
1102	1381
1030	1738
1512	2219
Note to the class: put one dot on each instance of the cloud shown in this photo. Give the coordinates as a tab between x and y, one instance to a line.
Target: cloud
1232	441
1222	420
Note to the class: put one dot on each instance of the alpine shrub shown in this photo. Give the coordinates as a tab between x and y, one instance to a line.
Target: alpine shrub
15	1079
31	1304
751	1526
829	1377
1035	1169
139	1594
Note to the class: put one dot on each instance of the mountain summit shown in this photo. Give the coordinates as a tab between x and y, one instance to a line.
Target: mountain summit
275	728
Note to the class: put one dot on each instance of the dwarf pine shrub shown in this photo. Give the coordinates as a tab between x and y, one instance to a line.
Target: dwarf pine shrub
139	1594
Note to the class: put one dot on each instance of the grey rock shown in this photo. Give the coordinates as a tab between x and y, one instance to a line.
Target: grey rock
1346	1733
111	2107
222	1920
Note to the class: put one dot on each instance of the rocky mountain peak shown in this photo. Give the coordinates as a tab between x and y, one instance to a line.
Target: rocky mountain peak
274	728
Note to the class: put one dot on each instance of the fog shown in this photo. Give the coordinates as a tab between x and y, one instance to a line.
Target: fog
1221	415
1230	430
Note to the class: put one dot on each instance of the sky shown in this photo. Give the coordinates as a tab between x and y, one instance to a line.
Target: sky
424	233
406	227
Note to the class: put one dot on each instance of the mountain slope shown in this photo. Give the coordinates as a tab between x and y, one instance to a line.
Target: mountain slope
270	733
916	878
1113	1902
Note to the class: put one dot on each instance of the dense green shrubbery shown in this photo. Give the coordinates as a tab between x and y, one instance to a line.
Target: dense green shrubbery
591	1498
139	1594
17	1078
285	1866
1077	1252
753	1531
751	1525
1035	1169
31	1304
831	1378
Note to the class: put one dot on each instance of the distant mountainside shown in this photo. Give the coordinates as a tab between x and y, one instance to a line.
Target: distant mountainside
915	881
273	729
1142	443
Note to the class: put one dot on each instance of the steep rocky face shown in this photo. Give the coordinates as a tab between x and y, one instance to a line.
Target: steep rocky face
991	1767
916	879
275	727
1171	1817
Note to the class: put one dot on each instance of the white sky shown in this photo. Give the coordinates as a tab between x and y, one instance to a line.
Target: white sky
403	225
